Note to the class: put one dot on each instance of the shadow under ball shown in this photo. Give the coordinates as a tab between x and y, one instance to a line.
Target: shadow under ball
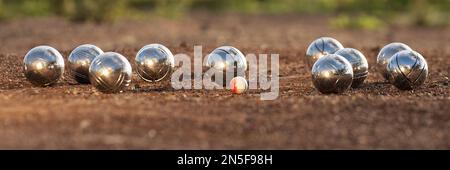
154	62
321	47
358	62
110	72
229	61
407	69
43	65
80	59
385	55
332	74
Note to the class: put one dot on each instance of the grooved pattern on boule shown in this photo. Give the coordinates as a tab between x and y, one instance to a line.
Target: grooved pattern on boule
407	70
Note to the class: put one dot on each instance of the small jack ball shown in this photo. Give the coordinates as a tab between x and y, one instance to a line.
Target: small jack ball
238	85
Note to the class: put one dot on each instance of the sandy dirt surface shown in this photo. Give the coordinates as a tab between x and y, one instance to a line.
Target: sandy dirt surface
154	116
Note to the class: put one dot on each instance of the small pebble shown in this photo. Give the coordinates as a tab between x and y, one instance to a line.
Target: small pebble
445	82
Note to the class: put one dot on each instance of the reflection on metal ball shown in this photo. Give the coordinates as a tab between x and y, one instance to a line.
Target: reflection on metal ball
332	74
386	53
358	62
110	72
321	47
43	65
407	69
227	60
80	59
154	62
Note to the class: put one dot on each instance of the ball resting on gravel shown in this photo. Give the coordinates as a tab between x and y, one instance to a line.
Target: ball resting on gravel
332	74
358	62
386	53
154	63
80	59
321	47
110	72
407	69
238	85
43	65
228	60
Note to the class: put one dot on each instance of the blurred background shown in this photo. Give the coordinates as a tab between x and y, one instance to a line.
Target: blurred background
357	14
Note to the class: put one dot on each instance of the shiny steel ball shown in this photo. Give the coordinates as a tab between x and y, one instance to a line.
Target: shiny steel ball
332	74
80	59
110	72
43	65
321	47
238	85
154	63
386	53
358	62
228	60
407	69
